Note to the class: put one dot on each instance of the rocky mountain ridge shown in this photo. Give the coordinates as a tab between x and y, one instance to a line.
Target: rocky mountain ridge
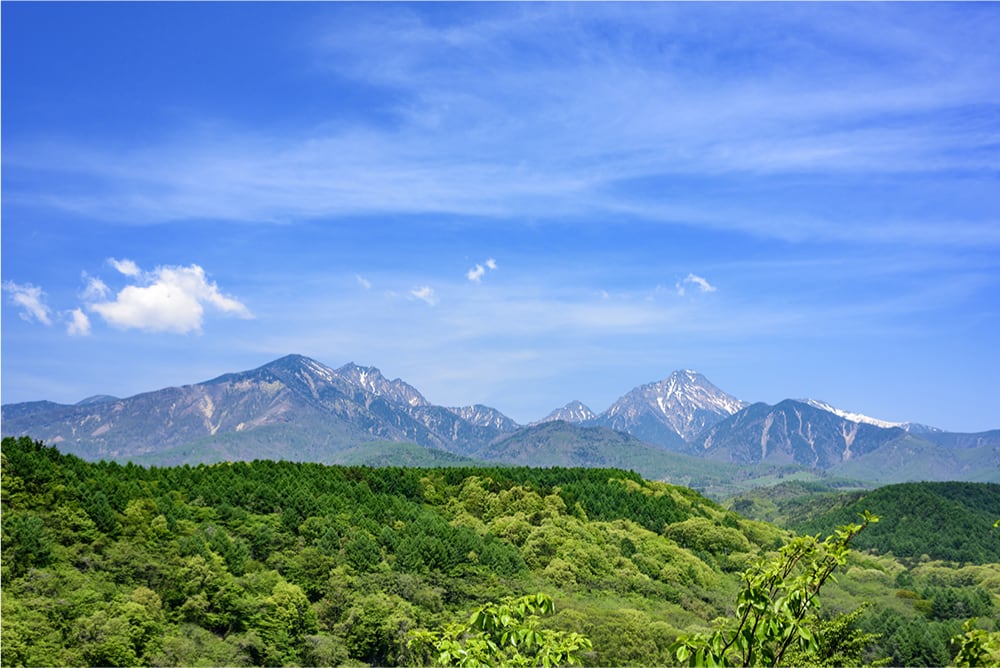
298	408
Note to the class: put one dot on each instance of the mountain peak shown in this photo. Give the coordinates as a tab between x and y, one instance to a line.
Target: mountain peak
684	404
292	360
290	369
574	412
298	363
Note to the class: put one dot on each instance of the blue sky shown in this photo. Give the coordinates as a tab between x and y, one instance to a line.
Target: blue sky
510	204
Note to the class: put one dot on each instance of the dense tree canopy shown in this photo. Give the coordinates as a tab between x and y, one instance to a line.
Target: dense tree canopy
269	563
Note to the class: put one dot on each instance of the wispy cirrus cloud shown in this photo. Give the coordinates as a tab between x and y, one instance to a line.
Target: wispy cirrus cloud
95	289
426	294
31	300
696	281
635	105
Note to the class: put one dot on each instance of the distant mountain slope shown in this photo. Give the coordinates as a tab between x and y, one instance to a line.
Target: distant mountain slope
28	408
943	520
560	443
794	502
792	432
391	453
97	399
670	412
913	457
318	408
960	440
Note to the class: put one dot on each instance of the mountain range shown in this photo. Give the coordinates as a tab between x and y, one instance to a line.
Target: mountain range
299	409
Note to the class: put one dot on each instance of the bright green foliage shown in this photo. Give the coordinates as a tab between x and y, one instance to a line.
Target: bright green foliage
841	643
283	620
977	647
504	634
264	563
699	533
775	608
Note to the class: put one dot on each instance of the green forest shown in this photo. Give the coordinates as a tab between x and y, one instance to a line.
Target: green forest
278	563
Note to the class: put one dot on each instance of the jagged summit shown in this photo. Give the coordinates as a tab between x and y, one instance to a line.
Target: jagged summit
673	410
372	380
295	369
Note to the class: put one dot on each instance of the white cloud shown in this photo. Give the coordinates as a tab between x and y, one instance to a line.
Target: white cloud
363	282
96	288
79	323
126	267
425	293
169	299
31	299
692	279
476	273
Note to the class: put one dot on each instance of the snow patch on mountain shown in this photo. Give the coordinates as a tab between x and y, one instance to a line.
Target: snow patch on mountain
853	417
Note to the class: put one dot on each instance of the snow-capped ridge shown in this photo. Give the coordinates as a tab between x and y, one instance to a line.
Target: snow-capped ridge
854	417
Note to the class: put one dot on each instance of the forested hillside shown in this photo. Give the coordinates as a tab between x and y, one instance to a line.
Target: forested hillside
935	520
929	520
275	563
